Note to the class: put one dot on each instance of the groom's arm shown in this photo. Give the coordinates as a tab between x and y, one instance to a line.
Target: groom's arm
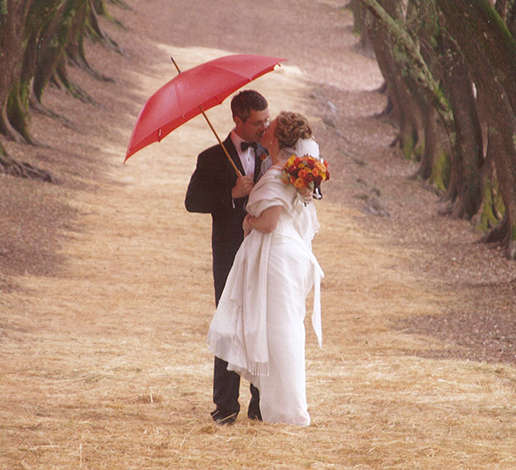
210	186
266	222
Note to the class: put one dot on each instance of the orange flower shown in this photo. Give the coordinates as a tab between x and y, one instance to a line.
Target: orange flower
299	183
302	173
309	177
321	167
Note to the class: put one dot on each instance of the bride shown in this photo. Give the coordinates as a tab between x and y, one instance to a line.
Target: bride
258	327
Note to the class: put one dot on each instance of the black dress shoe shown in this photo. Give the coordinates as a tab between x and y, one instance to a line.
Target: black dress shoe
254	414
253	410
221	417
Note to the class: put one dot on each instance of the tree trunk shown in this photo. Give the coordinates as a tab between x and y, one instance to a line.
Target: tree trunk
468	151
75	46
406	109
49	46
490	51
410	62
120	3
12	167
435	159
18	110
511	19
47	29
97	7
423	26
12	29
360	26
501	7
493	208
61	77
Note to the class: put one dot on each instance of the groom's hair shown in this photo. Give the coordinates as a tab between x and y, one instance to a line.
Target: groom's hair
247	100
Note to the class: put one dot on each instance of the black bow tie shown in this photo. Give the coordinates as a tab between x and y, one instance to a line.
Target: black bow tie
245	145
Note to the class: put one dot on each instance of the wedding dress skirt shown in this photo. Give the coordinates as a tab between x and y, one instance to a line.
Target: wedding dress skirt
258	327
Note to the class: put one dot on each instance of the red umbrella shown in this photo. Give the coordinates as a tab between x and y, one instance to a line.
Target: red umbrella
191	93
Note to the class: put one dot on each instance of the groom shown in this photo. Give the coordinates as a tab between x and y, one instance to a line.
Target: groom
215	188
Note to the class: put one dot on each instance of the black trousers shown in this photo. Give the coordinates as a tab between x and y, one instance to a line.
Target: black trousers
226	389
226	384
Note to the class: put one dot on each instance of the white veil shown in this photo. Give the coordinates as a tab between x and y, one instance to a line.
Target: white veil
303	147
307	147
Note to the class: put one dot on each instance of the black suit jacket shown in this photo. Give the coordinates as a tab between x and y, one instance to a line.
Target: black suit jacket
209	191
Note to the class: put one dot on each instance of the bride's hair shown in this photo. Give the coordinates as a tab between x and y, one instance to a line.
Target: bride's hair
290	128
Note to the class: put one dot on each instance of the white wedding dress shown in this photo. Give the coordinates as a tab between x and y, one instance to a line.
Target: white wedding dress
258	327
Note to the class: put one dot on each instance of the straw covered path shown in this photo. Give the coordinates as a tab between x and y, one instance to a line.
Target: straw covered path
103	359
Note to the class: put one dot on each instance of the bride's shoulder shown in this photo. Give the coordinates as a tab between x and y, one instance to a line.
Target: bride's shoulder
270	185
272	175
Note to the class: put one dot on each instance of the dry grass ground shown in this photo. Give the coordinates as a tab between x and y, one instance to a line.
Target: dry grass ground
102	335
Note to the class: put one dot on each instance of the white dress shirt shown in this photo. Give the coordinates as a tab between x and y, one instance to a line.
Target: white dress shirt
246	156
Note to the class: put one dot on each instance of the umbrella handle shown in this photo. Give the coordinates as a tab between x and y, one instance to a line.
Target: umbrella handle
237	171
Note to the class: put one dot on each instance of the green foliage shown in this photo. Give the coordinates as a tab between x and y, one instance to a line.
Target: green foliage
3	7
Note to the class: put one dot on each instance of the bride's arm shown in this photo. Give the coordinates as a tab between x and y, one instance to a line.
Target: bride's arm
266	222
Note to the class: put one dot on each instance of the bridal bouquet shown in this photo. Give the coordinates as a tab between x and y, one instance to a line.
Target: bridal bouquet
306	174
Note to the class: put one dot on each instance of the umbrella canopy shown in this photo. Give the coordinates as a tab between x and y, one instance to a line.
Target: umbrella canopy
192	92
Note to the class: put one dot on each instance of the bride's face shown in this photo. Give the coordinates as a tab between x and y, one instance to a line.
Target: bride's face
269	140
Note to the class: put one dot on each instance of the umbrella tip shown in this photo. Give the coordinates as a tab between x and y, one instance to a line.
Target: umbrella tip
175	64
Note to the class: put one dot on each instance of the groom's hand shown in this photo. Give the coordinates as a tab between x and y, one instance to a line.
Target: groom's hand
246	225
243	187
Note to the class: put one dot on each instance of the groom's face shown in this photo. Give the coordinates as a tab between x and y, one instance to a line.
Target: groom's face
254	126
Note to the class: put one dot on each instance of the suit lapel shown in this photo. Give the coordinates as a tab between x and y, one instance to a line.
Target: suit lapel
228	143
258	162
